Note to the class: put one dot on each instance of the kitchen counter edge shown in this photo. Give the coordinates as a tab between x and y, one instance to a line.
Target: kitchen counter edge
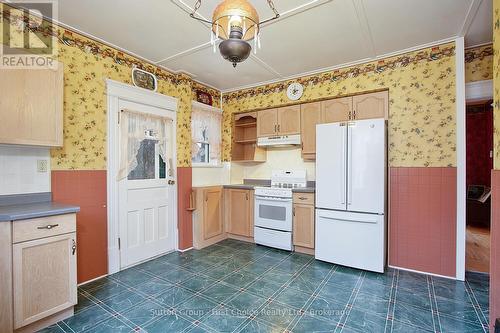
251	187
35	210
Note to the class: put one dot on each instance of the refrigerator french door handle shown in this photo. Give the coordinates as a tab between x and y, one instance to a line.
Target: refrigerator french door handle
349	163
343	170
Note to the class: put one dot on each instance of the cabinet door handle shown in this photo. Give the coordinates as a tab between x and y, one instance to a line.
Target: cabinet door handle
247	196
279	128
354	114
293	211
73	248
48	227
350	113
302	198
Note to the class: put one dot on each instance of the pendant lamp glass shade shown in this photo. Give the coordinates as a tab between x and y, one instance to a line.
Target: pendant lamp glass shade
235	23
235	13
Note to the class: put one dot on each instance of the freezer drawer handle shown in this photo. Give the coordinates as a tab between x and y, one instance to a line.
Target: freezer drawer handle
348	220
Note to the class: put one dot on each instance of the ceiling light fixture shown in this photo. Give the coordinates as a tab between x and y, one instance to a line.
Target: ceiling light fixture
236	23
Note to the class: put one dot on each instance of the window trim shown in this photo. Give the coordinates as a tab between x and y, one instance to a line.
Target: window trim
215	163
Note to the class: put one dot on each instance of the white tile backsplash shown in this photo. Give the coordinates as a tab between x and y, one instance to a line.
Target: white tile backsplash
18	170
277	159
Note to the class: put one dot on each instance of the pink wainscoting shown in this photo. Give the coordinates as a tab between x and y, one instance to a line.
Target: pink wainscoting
495	248
422	219
86	189
185	223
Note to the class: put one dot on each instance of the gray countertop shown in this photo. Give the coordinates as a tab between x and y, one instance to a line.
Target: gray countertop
31	205
304	190
251	187
33	210
240	186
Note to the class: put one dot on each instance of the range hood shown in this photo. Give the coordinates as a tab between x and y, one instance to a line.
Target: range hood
279	141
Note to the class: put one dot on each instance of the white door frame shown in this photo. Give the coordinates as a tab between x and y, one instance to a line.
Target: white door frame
461	157
464	92
117	91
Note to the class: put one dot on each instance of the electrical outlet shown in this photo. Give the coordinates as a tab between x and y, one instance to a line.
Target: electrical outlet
41	165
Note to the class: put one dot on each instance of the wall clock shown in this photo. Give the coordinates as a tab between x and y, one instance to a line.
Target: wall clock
294	91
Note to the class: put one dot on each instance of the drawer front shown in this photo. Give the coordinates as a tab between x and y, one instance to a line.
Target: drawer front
303	198
273	238
27	230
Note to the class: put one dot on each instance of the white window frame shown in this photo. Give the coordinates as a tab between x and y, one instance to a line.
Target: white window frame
211	164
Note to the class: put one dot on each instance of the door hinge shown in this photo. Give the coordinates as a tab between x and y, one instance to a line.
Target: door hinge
119	243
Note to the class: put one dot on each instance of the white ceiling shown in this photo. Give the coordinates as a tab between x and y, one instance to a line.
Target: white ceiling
310	36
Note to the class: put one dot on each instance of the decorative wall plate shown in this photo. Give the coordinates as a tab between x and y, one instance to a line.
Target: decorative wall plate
203	97
144	79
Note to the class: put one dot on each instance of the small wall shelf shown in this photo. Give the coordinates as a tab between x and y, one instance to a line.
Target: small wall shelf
245	139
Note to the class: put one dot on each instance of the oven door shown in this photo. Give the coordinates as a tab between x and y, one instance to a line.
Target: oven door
273	213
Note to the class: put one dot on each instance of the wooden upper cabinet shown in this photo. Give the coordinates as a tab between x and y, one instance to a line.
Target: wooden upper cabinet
335	110
369	106
267	123
310	116
32	107
212	212
239	212
289	120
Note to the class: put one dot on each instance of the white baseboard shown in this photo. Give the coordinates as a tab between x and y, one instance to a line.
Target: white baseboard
94	279
420	272
185	250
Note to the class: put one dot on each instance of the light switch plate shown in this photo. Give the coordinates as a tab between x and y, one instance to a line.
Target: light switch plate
41	165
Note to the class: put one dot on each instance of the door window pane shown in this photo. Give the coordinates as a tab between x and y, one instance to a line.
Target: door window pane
145	157
163	168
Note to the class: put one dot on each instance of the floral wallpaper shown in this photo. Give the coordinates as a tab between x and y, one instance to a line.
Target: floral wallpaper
421	102
479	63
496	83
87	64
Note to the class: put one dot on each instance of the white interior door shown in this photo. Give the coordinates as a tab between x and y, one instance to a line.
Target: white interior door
331	164
366	168
146	186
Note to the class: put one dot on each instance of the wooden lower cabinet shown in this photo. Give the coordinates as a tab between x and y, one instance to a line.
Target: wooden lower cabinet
37	272
212	213
303	225
208	222
44	274
238	212
303	222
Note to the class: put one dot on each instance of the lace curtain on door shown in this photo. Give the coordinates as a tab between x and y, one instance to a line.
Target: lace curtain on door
206	135
139	130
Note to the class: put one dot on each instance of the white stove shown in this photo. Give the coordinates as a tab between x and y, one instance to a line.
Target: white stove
273	209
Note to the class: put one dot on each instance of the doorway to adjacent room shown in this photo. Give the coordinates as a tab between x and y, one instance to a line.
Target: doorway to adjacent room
479	141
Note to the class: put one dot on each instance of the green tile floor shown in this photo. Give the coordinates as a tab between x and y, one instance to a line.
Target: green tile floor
239	287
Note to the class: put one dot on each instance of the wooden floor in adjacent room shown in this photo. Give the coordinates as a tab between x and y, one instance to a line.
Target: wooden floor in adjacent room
478	249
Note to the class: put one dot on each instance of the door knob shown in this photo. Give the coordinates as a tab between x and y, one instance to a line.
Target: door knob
171	182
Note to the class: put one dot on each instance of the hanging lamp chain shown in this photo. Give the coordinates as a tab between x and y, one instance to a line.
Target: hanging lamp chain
273	8
197	6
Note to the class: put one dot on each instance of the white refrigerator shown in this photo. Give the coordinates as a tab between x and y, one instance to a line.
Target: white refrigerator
351	171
